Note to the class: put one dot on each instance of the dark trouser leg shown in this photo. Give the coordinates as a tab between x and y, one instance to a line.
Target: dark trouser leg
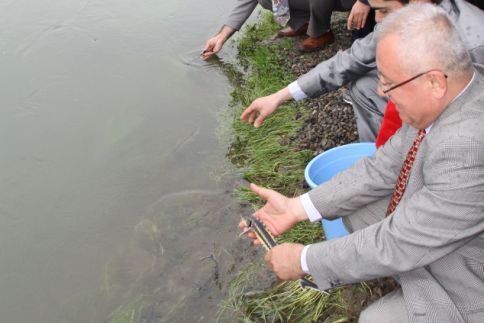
299	11
368	106
321	11
266	4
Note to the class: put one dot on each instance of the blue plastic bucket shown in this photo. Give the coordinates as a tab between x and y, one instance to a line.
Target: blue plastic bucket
327	164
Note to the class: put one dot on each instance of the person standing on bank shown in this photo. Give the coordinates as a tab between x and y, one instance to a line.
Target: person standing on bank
356	67
306	16
416	208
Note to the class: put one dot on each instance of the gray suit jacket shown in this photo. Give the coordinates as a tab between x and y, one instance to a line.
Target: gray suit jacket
359	59
433	243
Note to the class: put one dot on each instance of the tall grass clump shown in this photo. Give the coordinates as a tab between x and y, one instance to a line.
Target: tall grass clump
264	154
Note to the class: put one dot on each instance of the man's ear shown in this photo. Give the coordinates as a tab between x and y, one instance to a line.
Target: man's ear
438	83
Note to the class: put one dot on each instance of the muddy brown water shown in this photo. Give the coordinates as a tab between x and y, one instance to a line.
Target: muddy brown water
113	179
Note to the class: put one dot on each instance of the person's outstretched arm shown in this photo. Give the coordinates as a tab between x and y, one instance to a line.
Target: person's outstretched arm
329	75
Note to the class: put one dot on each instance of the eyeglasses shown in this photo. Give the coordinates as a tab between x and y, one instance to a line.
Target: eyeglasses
391	88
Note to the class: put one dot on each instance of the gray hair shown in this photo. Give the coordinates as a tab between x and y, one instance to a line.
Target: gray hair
427	40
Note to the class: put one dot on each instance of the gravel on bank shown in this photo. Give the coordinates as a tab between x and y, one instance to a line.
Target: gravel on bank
331	121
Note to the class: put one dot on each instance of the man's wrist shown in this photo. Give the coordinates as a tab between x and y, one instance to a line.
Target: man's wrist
282	96
225	32
297	209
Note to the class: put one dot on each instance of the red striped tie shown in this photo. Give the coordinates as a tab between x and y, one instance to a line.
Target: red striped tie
404	172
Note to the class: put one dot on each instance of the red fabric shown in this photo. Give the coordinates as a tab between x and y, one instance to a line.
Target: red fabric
404	172
390	124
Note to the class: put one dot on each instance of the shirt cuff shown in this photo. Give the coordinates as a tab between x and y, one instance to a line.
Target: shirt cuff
304	263
296	92
311	211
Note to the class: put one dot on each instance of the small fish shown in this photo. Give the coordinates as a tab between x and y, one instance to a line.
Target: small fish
256	226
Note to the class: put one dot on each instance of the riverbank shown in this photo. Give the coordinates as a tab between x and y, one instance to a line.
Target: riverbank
275	156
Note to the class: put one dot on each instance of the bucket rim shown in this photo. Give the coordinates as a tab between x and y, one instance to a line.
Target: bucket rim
332	150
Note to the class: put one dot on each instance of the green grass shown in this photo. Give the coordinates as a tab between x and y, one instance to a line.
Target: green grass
258	151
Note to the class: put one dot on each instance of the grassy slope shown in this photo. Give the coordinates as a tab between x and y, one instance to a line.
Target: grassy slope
267	162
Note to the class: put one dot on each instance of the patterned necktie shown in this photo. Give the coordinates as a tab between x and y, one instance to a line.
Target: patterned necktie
404	172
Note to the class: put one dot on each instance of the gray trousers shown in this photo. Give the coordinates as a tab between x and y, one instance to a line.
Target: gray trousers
368	106
316	12
391	307
388	309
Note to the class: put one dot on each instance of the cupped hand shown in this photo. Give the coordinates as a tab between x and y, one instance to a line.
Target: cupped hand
279	214
258	110
212	46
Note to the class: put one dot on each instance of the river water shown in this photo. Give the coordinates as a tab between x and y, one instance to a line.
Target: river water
114	195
